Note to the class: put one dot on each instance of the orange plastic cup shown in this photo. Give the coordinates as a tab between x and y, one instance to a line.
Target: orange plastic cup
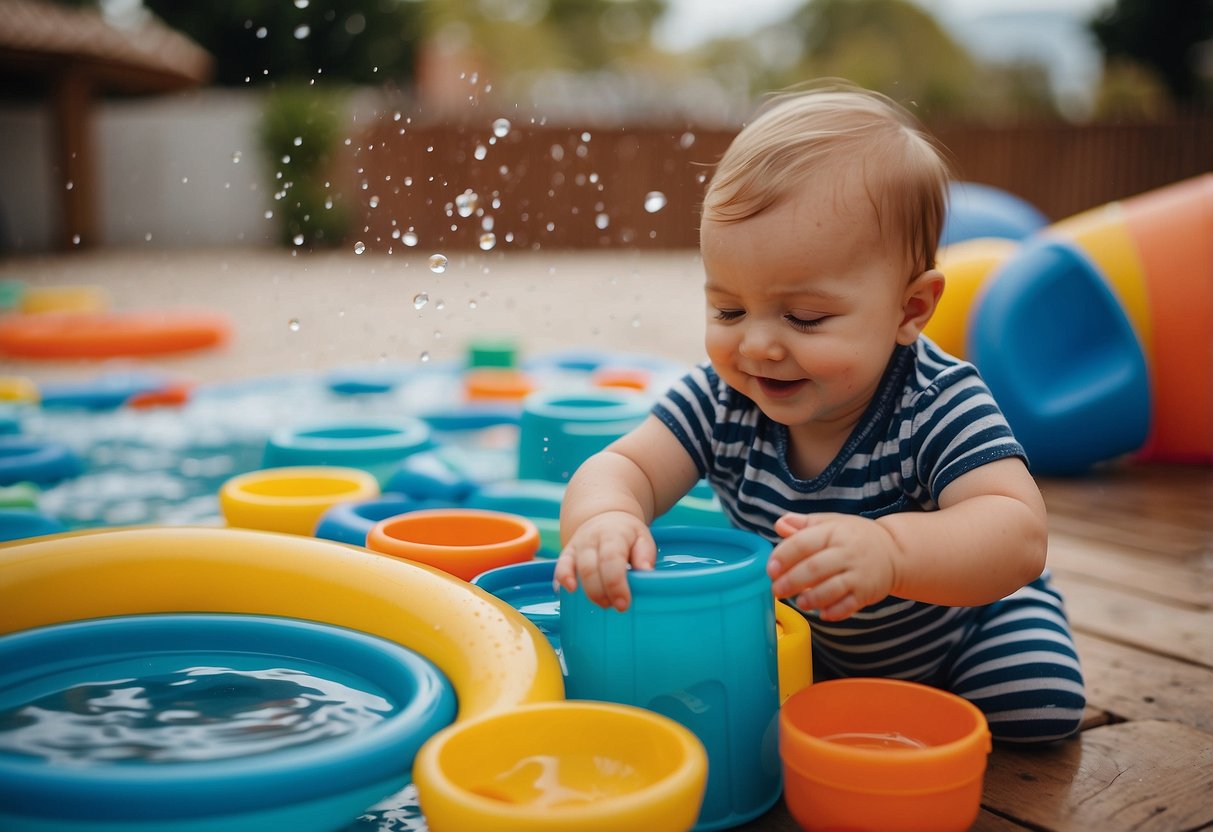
497	383
460	541
882	754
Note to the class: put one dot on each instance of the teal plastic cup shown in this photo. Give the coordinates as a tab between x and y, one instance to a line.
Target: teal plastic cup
697	645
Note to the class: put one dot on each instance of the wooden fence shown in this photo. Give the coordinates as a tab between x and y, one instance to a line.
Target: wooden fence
461	187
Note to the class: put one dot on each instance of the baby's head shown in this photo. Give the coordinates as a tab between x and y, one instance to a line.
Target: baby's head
824	134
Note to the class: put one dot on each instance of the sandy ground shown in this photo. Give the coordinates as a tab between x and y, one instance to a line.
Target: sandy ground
314	312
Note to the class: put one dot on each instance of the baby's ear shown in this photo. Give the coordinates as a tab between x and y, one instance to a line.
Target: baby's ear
918	304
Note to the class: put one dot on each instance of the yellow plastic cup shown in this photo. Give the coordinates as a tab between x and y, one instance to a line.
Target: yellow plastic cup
558	766
794	647
291	499
460	541
882	754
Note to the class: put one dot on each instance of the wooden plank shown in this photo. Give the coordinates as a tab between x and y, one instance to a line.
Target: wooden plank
1131	570
1133	684
1161	509
1147	775
1181	633
987	821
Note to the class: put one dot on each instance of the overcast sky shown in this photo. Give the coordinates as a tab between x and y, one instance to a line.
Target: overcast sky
689	22
1050	32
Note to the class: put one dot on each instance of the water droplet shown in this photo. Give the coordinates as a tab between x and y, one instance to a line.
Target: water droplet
359	247
409	237
471	303
298	142
585	137
293	324
501	128
438	263
262	32
487	241
557	152
328	203
654	201
420	300
636	322
602	221
467	203
302	32
70	184
269	215
301	4
373	202
424	357
480	152
75	239
686	140
298	238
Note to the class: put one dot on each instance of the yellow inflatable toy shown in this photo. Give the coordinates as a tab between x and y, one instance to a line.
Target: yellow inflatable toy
966	266
494	658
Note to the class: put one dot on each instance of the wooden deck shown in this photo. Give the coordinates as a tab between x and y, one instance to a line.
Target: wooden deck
1132	550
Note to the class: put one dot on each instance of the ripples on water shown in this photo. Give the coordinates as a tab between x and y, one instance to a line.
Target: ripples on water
191	715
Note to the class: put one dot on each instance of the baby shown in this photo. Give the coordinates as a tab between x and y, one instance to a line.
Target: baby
907	526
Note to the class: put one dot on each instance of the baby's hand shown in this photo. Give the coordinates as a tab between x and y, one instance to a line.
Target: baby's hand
599	553
835	563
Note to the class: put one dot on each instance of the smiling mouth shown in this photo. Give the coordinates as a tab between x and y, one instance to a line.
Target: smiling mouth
777	388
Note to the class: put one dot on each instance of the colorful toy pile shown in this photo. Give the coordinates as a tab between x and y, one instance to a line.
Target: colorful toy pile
1094	333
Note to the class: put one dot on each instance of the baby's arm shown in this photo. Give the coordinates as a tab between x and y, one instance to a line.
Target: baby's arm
609	504
987	539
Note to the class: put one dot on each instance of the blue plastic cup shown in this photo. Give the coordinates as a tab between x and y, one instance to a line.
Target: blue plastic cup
699	646
560	431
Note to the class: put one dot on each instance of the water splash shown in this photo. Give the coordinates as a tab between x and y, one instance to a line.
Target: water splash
467	203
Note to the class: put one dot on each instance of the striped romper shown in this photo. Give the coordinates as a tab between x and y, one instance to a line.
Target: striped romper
931	420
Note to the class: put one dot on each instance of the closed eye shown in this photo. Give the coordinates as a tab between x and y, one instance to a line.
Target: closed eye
729	314
804	324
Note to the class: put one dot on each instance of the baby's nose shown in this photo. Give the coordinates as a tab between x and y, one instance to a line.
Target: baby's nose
760	341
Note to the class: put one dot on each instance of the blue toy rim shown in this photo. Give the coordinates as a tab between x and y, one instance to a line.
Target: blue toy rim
192	790
745	553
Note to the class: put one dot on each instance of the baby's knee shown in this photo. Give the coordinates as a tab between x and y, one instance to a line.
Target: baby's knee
1044	717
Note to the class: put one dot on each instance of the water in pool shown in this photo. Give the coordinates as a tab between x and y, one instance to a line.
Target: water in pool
191	714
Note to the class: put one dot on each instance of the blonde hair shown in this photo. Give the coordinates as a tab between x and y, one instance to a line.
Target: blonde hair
826	129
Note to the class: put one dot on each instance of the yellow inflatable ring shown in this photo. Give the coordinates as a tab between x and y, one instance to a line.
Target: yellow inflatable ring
494	658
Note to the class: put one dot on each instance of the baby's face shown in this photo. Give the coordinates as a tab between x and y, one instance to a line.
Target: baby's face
805	303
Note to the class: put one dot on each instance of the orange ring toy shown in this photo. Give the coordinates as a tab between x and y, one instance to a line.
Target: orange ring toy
110	334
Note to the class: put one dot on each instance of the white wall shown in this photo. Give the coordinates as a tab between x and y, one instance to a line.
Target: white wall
166	174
